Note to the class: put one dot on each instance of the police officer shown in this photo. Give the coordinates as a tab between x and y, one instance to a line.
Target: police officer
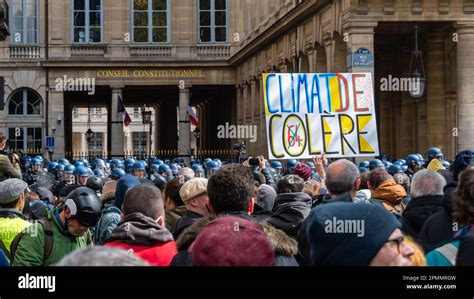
435	153
32	174
414	163
66	180
82	174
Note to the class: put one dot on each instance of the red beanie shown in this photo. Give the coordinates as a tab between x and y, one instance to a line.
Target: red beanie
303	171
232	241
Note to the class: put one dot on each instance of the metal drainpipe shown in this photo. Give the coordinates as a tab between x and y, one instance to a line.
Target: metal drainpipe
46	56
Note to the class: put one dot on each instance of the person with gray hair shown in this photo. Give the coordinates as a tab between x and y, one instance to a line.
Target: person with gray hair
427	196
342	180
101	256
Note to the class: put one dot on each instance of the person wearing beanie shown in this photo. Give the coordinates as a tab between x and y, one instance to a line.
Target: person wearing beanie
291	205
350	234
12	221
194	195
303	171
232	241
103	229
264	204
112	201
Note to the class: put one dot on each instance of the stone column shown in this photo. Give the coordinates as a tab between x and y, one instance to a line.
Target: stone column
253	116
184	141
56	108
436	93
361	35
117	123
465	85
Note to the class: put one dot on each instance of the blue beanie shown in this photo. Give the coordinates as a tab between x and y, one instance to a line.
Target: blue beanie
335	239
125	183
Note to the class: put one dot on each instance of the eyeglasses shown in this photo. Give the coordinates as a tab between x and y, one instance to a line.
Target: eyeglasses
399	242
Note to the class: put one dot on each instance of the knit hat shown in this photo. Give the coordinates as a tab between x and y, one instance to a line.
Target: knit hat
11	189
232	241
303	171
125	183
108	190
193	188
266	197
257	176
348	234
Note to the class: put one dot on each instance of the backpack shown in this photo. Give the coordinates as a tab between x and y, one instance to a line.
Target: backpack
48	241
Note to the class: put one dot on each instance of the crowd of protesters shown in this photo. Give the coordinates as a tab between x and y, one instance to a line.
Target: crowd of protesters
407	212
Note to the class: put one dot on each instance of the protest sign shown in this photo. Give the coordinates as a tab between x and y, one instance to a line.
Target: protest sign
308	114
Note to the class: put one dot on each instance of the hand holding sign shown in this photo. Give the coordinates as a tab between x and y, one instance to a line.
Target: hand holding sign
310	114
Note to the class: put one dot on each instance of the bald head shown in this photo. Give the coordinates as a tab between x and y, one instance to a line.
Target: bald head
341	177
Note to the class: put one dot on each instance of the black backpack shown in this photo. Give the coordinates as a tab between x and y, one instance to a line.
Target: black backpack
48	241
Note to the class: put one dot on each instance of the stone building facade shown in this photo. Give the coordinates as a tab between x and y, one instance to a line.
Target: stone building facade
211	54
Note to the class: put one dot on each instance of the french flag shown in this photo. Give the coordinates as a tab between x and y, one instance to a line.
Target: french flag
192	117
127	120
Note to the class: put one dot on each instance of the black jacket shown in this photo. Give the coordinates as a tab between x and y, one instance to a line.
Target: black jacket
438	228
260	214
466	250
285	247
417	211
289	212
183	223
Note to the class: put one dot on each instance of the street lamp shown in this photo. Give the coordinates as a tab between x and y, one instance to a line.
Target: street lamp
197	135
89	133
418	80
146	119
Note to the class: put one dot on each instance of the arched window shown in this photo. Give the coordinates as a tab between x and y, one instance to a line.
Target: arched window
25	102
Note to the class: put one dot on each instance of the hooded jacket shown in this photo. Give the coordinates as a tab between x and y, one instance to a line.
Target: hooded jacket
285	247
391	195
417	211
289	212
438	228
145	238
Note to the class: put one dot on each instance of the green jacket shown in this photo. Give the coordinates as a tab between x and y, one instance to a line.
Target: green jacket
173	215
30	251
7	170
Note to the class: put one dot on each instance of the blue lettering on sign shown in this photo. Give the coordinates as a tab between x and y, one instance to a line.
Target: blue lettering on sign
49	141
363	58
